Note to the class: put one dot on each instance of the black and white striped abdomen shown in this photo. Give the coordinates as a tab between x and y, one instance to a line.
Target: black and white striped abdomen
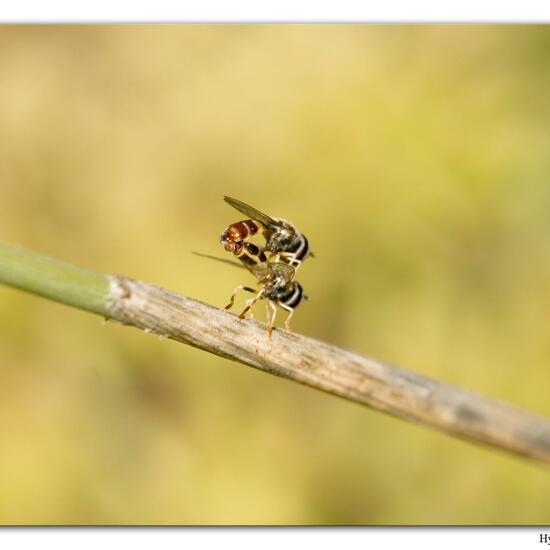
292	297
300	248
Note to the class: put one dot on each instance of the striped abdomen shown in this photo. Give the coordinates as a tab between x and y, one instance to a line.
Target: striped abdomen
299	248
235	234
292	296
251	256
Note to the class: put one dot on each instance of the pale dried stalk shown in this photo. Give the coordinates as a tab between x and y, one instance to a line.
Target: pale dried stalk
328	368
316	364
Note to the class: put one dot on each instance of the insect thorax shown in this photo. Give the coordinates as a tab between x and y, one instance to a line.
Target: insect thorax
282	238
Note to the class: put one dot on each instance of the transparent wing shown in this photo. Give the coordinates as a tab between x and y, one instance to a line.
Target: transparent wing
251	212
224	260
283	270
259	271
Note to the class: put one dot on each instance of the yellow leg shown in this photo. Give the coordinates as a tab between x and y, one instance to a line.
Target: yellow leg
271	318
291	259
290	314
232	299
250	303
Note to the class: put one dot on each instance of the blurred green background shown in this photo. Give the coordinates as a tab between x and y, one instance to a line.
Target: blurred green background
416	160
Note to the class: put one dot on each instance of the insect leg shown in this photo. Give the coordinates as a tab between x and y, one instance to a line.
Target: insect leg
267	311
271	305
291	258
250	303
232	299
290	314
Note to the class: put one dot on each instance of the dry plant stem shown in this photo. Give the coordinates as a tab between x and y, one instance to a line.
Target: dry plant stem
328	368
353	377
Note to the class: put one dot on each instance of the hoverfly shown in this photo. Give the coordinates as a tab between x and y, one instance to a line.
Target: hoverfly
283	241
277	283
278	287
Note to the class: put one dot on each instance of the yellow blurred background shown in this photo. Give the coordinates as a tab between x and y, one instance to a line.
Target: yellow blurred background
415	159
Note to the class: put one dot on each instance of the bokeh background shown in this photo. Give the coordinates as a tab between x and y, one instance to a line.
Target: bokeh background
415	158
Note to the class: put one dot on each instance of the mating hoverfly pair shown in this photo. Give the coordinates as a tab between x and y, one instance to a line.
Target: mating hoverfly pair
274	265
